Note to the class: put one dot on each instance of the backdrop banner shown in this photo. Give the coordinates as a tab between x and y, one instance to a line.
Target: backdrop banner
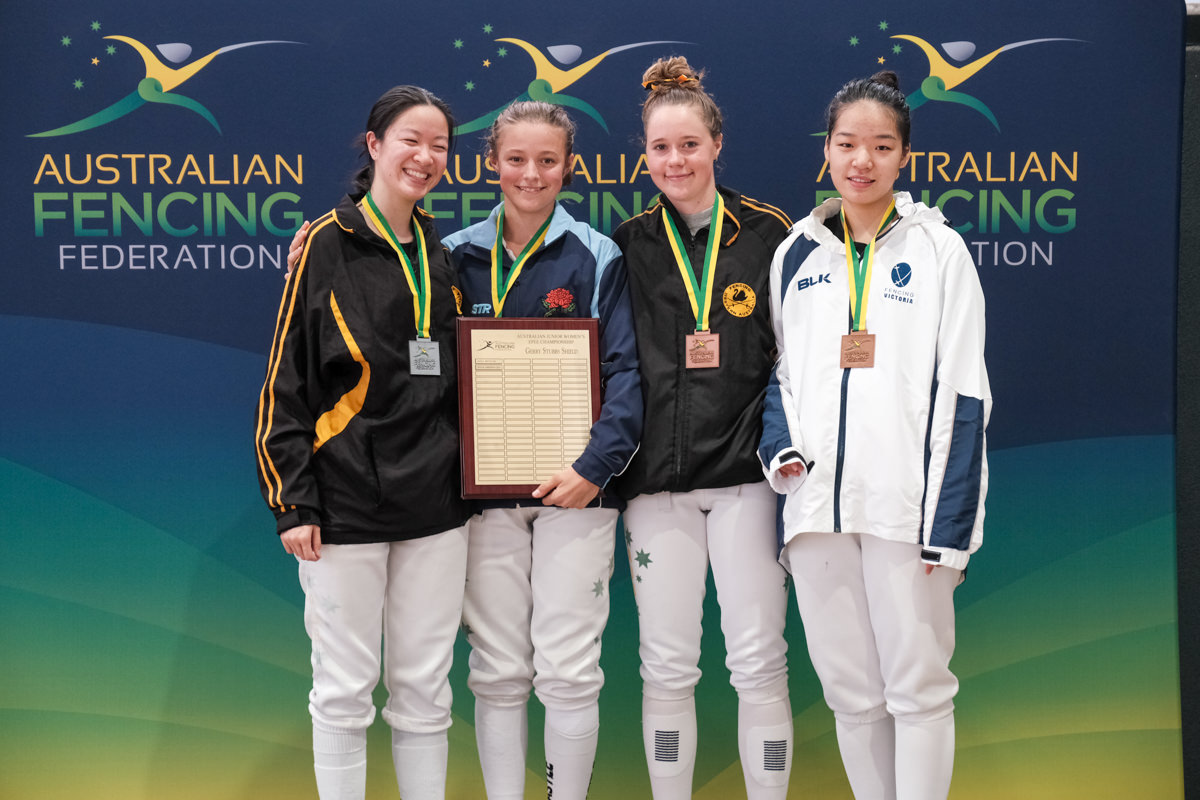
158	157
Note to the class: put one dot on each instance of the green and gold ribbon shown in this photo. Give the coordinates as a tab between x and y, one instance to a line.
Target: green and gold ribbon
699	290
418	279
859	268
502	282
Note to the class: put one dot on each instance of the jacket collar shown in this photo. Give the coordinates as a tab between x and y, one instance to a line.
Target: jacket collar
909	211
733	208
484	234
349	217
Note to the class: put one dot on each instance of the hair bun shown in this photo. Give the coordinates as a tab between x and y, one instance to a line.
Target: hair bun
887	78
669	73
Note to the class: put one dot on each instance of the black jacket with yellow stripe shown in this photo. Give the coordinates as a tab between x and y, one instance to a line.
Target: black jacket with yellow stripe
702	426
345	436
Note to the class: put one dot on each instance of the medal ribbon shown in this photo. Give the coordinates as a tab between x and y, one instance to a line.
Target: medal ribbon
699	291
501	283
418	280
859	269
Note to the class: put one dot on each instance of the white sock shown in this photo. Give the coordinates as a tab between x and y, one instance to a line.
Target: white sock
570	739
340	762
420	760
669	734
765	745
924	758
502	738
869	756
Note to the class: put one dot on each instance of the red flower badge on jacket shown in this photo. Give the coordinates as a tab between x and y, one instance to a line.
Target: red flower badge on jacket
558	302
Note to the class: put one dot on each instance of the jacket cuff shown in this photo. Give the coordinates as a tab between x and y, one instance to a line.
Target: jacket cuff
785	484
299	515
945	557
590	468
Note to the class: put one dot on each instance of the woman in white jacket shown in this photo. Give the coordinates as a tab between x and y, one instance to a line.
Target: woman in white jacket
874	430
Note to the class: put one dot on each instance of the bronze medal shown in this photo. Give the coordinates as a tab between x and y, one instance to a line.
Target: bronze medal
858	350
702	350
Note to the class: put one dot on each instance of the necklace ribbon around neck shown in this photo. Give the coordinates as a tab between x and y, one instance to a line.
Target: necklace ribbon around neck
501	282
699	289
858	268
418	278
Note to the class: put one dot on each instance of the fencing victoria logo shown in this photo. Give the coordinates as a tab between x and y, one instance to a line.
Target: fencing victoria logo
93	51
901	276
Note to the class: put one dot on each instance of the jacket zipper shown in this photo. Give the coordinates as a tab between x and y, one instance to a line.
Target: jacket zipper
841	442
682	377
841	455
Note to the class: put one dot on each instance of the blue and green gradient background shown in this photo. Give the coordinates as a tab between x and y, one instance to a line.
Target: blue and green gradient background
151	642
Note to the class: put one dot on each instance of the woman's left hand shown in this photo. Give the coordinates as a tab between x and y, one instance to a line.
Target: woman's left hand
296	248
567	490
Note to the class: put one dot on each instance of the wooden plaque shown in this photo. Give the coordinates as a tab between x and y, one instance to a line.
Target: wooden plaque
528	393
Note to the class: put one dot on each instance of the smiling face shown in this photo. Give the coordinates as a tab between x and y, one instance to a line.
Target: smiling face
680	152
531	160
865	154
410	156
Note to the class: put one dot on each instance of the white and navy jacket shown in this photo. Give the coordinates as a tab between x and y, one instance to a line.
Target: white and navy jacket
897	450
577	272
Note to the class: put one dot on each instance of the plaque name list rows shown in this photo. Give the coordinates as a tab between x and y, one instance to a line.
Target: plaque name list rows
520	406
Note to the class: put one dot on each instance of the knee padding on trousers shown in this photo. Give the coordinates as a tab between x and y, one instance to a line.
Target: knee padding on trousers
576	723
862	717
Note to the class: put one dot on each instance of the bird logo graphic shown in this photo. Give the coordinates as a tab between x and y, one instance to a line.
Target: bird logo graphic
550	80
944	76
157	86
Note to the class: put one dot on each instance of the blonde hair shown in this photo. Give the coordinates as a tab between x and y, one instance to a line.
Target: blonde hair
672	81
534	111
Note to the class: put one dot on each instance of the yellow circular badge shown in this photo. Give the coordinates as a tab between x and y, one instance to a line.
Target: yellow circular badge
457	299
738	299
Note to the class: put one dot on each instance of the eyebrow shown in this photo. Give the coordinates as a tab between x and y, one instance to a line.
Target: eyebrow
879	136
417	132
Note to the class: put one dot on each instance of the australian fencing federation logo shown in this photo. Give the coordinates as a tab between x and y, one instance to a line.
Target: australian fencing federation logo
92	51
556	67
